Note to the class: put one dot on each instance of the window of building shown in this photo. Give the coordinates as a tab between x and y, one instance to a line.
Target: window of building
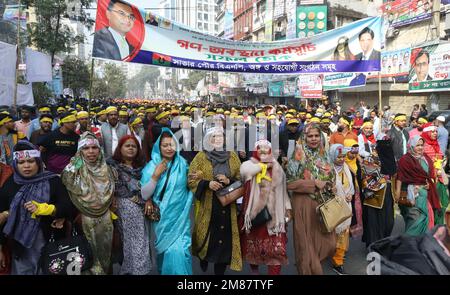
199	7
205	7
199	16
216	28
199	26
205	16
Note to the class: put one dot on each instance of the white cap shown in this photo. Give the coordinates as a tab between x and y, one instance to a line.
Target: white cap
441	118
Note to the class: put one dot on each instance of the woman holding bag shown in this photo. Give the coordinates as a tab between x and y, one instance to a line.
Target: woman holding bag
265	187
164	186
309	173
216	234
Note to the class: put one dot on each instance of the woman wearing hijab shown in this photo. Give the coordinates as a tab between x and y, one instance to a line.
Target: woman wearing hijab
265	186
416	175
164	184
35	201
90	182
344	190
216	234
309	175
134	228
432	149
351	148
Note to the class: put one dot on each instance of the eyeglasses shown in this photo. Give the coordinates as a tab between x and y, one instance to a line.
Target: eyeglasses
122	14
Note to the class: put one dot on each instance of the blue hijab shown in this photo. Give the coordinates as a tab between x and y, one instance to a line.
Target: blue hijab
173	231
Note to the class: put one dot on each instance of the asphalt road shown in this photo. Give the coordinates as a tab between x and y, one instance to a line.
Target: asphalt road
355	259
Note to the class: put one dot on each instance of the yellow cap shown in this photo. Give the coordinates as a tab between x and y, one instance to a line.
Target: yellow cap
315	120
82	115
327	114
141	115
210	113
111	109
60	109
272	117
102	112
422	121
151	110
227	113
308	116
136	121
325	120
350	142
292	111
293	121
220	111
174	112
123	113
289	116
260	115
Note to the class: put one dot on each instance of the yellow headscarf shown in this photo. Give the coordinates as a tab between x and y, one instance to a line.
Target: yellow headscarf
349	143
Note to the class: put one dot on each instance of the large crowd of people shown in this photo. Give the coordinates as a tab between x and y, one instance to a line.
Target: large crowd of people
119	170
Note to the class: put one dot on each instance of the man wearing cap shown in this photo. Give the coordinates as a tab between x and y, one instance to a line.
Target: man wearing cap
8	138
137	129
46	127
442	134
60	145
343	132
83	126
24	123
288	138
163	120
112	131
35	124
418	129
399	136
101	118
123	117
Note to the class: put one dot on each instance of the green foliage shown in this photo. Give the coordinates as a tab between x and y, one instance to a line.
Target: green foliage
76	75
115	80
149	74
41	93
99	89
194	78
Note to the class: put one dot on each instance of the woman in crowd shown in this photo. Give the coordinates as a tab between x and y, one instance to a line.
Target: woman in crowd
216	234
164	184
351	148
34	201
265	186
344	190
309	173
134	228
90	182
416	176
432	149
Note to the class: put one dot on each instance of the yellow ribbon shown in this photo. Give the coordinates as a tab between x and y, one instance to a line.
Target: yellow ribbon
48	120
68	119
5	120
45	109
263	174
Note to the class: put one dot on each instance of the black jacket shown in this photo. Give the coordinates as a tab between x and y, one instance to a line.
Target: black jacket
397	141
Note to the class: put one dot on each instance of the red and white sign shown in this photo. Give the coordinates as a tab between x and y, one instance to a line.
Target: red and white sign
310	86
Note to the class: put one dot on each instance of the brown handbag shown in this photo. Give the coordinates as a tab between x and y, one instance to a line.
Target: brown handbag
403	200
231	193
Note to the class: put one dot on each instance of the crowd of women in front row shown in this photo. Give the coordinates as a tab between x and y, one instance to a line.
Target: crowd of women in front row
99	195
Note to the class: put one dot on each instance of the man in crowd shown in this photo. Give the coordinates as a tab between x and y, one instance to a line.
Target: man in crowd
343	132
399	136
442	134
418	129
24	123
38	136
112	131
288	138
8	138
83	126
35	124
60	145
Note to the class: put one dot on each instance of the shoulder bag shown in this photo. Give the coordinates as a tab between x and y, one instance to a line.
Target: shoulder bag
262	217
68	256
230	193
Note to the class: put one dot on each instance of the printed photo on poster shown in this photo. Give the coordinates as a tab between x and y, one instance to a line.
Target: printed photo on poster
119	30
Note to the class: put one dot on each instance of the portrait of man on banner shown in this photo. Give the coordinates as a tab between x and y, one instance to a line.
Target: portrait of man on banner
366	41
118	20
421	64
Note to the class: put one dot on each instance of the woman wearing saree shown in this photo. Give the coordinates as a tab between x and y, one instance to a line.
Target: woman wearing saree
432	149
134	228
164	183
309	172
265	186
416	175
216	235
90	182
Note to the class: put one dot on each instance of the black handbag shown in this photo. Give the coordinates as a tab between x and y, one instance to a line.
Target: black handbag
69	256
262	217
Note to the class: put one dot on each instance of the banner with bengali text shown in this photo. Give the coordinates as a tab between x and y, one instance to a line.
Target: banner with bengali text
152	39
343	81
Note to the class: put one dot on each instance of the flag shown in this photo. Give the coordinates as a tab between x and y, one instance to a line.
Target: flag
39	66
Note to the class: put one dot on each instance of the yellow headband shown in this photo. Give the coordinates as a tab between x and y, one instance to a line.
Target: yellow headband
45	119
162	115
69	119
102	112
315	120
61	109
82	115
150	110
344	121
325	120
123	113
422	121
5	120
400	118
136	121
45	109
367	124
111	109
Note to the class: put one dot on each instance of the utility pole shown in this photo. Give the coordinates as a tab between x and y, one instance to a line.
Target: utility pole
18	59
436	18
